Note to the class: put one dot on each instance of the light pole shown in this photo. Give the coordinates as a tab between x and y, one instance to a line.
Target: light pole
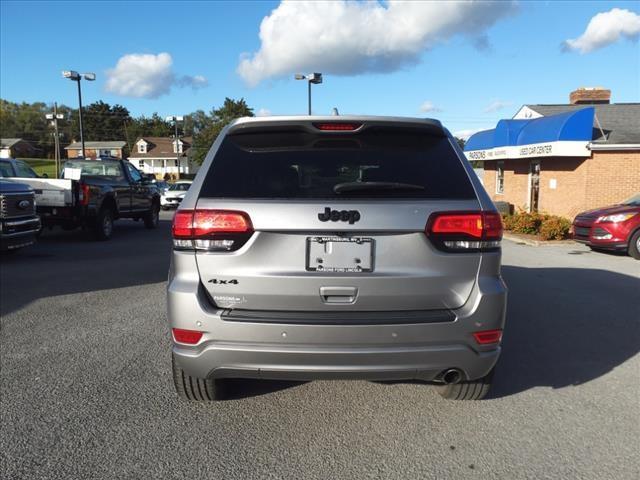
175	119
76	77
312	78
54	117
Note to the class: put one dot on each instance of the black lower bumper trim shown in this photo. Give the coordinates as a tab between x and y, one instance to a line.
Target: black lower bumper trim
338	318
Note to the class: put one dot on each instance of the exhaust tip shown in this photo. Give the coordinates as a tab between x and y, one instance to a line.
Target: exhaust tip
451	376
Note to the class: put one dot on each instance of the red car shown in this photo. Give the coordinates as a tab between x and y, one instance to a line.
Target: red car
611	228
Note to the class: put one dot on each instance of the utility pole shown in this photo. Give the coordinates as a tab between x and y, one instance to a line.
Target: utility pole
54	117
175	119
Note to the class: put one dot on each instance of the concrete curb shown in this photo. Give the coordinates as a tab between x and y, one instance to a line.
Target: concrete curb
535	243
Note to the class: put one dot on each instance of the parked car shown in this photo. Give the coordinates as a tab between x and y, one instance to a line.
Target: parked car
162	186
12	168
611	228
172	197
19	224
317	247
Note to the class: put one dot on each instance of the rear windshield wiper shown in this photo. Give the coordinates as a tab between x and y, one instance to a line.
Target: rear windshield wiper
372	186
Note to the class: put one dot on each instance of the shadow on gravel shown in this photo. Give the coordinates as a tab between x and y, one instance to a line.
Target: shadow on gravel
566	327
236	389
63	263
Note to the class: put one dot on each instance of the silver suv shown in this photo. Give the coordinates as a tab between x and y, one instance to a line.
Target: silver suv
336	247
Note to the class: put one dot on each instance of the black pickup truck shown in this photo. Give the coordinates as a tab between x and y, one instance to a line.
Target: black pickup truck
94	193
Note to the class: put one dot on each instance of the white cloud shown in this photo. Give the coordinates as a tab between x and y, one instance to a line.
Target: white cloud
428	107
604	29
347	38
497	105
263	112
465	134
147	76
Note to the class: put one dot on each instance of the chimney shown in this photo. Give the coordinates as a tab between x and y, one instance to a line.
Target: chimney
590	96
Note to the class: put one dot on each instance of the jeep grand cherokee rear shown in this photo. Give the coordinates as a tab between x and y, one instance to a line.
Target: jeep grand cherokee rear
350	248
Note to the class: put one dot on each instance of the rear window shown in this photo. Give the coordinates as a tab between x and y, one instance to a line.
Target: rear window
375	163
97	168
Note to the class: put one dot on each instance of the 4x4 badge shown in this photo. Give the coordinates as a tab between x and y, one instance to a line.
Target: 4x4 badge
351	216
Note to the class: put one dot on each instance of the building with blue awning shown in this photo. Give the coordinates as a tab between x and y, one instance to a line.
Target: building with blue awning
562	159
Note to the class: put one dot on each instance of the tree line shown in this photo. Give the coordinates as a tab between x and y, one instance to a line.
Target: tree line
104	122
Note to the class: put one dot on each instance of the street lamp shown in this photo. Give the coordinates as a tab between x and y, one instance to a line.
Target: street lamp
175	119
312	78
76	77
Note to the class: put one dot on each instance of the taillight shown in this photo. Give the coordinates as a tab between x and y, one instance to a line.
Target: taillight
465	231
211	230
190	337
337	127
84	194
488	337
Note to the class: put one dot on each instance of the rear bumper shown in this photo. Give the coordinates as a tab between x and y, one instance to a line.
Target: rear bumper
302	351
324	362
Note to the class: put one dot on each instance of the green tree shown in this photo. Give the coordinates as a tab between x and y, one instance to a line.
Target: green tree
103	122
27	121
210	128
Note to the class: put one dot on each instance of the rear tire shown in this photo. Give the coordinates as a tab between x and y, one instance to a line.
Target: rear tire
634	245
471	390
103	228
193	388
152	217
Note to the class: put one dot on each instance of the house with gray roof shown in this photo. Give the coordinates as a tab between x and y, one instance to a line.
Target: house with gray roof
562	159
16	147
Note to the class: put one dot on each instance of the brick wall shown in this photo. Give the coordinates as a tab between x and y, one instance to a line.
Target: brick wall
567	198
580	184
88	153
612	177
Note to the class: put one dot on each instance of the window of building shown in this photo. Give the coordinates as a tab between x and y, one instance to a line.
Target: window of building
141	164
500	178
179	147
142	148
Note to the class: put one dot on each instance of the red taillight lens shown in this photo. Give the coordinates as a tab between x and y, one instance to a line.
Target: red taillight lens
492	226
464	224
464	231
206	222
488	337
190	337
212	230
84	192
338	127
183	224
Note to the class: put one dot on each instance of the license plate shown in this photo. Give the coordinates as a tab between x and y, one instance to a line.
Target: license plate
339	254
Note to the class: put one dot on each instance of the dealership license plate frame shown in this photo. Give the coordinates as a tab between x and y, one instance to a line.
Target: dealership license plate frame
340	254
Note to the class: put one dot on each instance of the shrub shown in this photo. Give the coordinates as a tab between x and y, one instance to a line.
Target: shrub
555	228
524	222
507	221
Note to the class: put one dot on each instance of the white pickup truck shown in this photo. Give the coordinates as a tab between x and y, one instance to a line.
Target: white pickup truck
49	192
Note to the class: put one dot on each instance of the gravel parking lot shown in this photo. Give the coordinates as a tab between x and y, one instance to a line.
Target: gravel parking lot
87	392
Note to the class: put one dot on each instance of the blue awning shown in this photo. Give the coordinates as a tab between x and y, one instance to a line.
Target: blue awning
570	126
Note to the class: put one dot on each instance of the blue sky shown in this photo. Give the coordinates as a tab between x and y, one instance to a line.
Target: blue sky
523	64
